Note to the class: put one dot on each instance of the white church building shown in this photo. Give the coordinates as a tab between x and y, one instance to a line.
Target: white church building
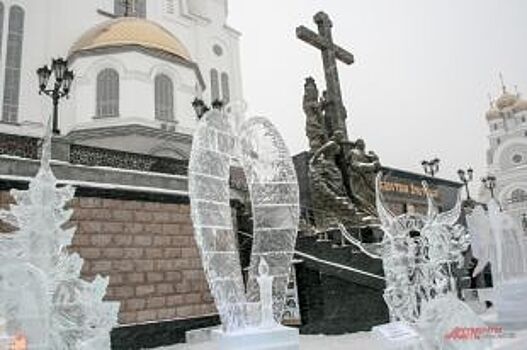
507	154
138	65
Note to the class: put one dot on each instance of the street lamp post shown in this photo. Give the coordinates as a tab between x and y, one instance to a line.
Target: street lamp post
466	177
490	184
61	87
200	108
431	167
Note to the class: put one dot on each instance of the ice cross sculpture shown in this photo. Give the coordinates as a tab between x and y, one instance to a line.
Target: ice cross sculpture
42	296
273	189
417	252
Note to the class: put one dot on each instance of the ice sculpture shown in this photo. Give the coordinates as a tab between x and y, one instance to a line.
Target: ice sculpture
417	253
266	295
273	188
442	317
42	296
496	238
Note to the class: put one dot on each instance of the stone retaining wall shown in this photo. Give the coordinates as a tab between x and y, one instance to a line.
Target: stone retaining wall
148	250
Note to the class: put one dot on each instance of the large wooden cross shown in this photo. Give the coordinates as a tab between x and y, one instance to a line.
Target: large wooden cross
330	54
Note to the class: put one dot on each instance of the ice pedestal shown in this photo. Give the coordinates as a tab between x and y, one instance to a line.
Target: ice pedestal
398	336
511	301
4	338
276	338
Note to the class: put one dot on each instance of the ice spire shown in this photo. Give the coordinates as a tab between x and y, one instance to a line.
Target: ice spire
45	157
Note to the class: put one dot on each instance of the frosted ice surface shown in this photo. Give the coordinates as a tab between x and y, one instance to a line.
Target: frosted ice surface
41	293
273	188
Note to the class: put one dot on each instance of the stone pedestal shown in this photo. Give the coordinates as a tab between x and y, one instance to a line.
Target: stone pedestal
277	338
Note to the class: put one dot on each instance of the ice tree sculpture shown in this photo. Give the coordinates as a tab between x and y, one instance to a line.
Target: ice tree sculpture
42	296
274	196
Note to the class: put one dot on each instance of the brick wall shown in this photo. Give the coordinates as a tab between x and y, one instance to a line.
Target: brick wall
148	250
5	201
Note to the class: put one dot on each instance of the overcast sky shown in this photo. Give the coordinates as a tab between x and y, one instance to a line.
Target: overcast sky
418	87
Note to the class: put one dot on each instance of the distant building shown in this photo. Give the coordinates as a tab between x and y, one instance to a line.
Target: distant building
507	154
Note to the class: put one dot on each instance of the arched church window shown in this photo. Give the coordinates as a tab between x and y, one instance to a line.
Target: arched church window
130	8
518	195
107	93
214	85
13	62
164	98
226	94
1	24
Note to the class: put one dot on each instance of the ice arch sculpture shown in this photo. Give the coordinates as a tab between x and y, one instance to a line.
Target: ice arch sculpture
273	189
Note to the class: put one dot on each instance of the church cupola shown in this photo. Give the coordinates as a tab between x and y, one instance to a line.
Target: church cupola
520	106
133	71
130	32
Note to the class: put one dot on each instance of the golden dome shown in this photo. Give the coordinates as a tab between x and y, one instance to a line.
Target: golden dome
519	106
492	114
506	100
130	31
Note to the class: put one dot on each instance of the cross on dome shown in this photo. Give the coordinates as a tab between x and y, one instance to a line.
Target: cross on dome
129	7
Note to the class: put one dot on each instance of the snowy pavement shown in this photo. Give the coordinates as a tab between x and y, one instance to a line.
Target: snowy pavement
355	341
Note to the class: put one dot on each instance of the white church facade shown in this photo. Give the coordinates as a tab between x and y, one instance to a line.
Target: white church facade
507	154
138	65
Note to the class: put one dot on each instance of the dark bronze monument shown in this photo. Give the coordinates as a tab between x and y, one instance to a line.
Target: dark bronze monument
341	172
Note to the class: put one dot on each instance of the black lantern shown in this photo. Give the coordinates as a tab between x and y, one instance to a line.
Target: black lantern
217	104
431	167
43	77
68	80
466	177
199	107
490	184
59	66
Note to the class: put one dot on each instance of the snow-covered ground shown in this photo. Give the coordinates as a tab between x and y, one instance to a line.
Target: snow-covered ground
358	341
355	341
